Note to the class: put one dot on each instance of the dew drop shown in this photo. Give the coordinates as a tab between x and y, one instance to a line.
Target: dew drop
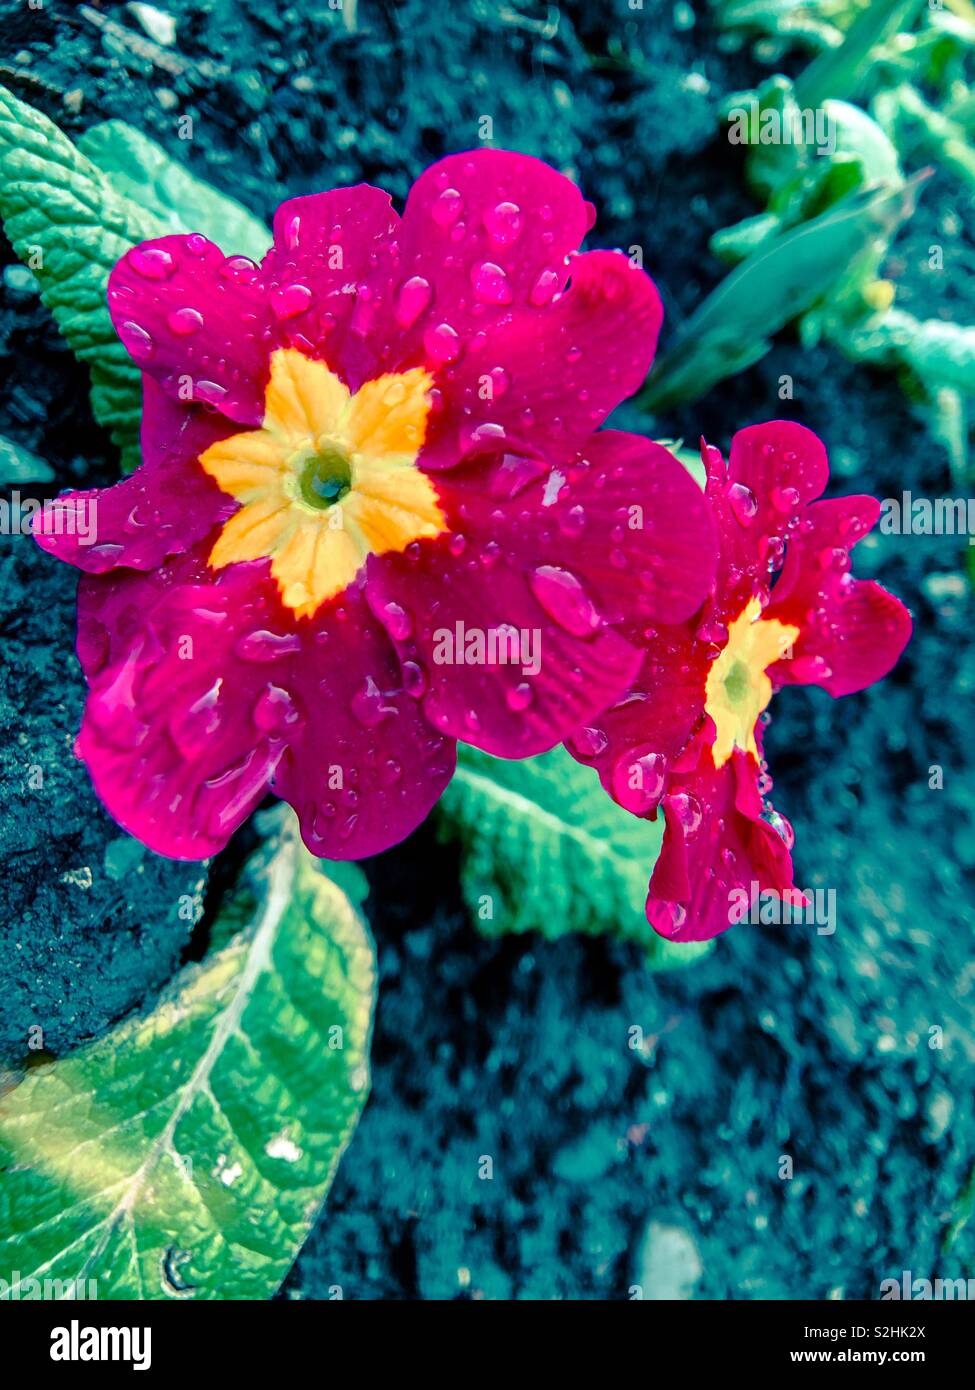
589	742
442	343
289	300
565	600
413	297
784	499
399	623
504	223
743	502
275	710
414	679
520	696
639	777
152	262
137	341
368	704
491	283
263	646
446	209
184	322
544	288
687	810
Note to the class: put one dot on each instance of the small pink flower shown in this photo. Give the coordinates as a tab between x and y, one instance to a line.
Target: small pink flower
378	439
785	610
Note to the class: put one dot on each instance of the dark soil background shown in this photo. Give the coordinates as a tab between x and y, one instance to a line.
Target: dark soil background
657	1166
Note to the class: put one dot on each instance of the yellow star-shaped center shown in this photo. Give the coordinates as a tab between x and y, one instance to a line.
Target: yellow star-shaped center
328	479
738	688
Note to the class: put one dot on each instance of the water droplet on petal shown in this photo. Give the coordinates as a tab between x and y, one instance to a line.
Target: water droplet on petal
520	696
565	600
712	631
446	209
289	300
275	710
639	777
504	223
152	262
687	810
210	392
544	288
368	704
240	269
192	727
573	522
262	645
138	343
413	297
442	343
399	623
390	772
491	283
184	322
414	679
589	742
784	499
744	503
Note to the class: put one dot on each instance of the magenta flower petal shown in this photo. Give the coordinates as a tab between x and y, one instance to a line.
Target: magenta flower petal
484	234
205	694
164	508
851	631
168	734
636	744
659	524
774	471
323	244
716	847
566	662
366	767
557	556
196	320
546	377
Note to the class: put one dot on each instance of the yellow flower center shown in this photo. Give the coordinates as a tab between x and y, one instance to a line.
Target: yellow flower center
327	480
738	689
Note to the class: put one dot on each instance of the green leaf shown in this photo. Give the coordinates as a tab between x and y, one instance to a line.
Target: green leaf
140	169
839	72
65	221
941	353
545	849
187	1153
792	272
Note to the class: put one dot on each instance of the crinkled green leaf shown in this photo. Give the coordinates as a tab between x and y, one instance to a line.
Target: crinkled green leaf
187	1153
545	849
140	169
67	223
